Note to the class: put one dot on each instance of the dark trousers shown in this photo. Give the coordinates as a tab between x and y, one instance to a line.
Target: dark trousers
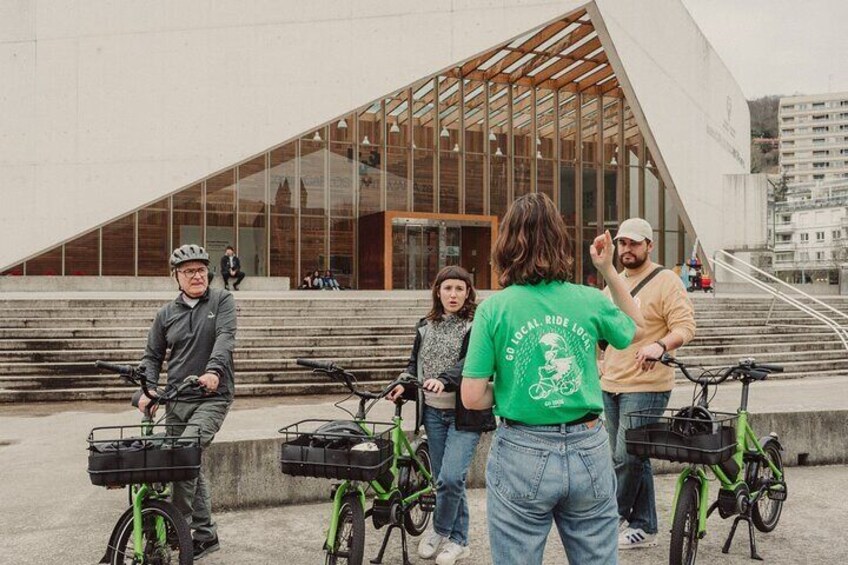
239	276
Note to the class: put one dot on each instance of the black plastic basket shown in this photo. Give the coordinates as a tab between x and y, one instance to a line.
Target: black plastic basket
676	438
330	455
124	455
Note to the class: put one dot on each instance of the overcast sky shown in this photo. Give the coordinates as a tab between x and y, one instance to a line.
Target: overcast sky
779	46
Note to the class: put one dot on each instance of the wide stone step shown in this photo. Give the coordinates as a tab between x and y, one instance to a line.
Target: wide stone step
258	321
122	332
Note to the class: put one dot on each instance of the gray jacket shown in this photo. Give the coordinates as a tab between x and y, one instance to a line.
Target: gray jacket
200	340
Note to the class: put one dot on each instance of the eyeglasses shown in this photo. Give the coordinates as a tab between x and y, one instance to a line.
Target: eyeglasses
191	273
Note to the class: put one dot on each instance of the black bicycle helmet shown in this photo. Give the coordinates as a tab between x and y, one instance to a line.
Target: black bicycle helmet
693	420
338	434
188	252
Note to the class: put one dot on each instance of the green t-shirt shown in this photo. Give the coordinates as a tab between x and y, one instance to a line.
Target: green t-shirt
539	343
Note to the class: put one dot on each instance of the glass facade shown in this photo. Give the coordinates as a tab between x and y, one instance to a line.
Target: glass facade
465	142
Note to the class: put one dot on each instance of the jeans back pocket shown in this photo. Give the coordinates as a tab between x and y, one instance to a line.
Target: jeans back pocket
516	469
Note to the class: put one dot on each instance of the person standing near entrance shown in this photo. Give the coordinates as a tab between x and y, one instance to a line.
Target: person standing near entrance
632	380
441	342
549	460
231	268
197	333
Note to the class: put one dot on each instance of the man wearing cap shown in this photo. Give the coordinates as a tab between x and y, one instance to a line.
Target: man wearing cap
632	380
199	330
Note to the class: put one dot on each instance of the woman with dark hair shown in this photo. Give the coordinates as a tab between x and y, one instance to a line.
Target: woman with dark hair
550	458
441	340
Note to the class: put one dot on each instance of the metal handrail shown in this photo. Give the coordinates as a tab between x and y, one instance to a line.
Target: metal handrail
840	331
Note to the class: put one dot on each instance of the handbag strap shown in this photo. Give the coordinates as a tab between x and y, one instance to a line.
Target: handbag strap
645	281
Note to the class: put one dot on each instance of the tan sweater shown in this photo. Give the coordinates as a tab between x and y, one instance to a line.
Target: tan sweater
666	308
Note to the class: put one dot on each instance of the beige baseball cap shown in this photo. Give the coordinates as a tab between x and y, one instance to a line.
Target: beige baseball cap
636	229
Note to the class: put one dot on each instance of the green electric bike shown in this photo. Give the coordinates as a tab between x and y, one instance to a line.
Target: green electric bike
370	460
146	458
752	483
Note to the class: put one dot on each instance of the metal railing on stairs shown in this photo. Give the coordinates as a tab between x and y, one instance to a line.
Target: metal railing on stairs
780	291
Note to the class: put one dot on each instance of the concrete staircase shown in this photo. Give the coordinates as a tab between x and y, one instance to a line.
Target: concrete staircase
48	346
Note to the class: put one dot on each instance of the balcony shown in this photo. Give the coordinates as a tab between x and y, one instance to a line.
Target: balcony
784	227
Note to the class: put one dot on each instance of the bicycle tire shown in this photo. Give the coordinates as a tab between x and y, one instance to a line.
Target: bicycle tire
177	532
766	512
416	519
350	531
683	548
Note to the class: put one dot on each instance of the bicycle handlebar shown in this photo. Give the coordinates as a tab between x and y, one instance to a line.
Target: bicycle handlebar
136	375
315	364
123	370
349	380
745	368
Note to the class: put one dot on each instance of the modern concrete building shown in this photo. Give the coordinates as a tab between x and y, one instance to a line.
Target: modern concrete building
814	138
381	140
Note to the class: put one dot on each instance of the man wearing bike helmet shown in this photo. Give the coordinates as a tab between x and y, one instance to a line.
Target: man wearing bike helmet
632	380
198	328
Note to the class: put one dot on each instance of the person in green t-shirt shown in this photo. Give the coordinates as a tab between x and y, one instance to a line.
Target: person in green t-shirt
535	340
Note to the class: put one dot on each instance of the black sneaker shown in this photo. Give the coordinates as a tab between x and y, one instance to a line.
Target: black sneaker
235	287
226	287
204	548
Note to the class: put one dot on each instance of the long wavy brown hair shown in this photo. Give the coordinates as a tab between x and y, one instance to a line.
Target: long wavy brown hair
533	244
458	273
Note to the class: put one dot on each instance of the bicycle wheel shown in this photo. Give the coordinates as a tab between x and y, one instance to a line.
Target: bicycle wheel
684	530
350	534
415	520
766	513
175	549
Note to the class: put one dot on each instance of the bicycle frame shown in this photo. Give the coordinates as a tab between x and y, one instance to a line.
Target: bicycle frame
402	447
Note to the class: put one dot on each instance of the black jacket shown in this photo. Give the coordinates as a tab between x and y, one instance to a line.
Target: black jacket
225	264
466	420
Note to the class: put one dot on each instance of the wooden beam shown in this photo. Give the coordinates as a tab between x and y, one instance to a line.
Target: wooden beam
575	73
578	54
594	78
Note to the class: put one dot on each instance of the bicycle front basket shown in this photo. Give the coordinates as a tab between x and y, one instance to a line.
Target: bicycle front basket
674	438
329	455
124	455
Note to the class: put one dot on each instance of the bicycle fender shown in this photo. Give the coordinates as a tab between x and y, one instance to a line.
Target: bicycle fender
110	547
772	438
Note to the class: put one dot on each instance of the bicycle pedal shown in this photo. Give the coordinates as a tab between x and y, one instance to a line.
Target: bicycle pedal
427	502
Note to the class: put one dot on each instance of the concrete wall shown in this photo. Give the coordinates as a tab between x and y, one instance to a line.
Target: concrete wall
247	473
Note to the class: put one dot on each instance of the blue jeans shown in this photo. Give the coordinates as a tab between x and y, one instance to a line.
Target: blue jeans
542	474
451	452
636	501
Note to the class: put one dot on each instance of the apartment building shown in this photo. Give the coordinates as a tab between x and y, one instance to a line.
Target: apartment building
814	137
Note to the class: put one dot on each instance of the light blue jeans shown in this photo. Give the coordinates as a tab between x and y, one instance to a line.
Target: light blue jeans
451	452
542	474
636	499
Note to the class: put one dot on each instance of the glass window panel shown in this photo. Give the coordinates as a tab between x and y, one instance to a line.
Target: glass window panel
282	179
422	185
370	173
48	263
655	253
252	244
449	183
589	118
188	219
370	125
312	176
15	271
568	195
652	197
397	180
397	120
590	274
423	115
499	119
283	249
545	123
610	197
341	180
251	187
610	138
632	191
475	117
82	255
524	144
313	236
318	135
341	250
568	127
545	177
474	168
521	176
673	255
590	197
498	195
220	213
632	138
671	214
449	113
342	130
119	247
154	247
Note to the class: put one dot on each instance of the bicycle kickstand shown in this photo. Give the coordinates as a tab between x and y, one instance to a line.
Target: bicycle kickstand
379	559
751	538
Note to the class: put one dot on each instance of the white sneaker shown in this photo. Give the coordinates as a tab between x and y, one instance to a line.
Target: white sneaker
430	544
452	553
636	538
